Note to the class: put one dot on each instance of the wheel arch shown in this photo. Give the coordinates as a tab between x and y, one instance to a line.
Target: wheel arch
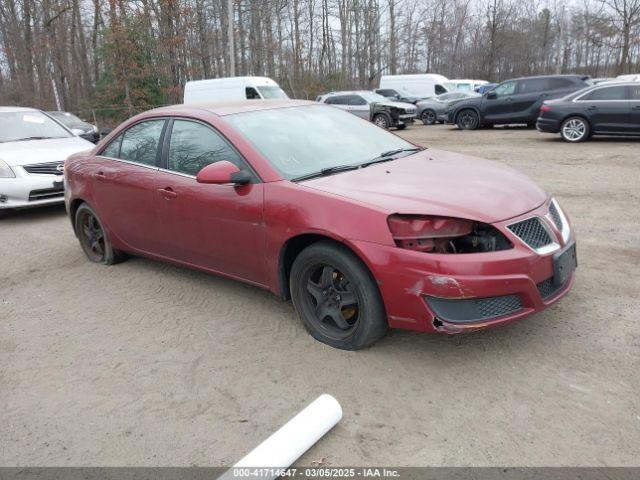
468	107
74	205
581	115
295	245
384	113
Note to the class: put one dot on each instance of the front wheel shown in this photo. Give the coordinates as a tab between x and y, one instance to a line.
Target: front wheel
428	117
574	129
336	297
382	121
93	238
468	120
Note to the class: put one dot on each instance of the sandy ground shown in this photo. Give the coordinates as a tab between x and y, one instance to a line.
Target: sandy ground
148	364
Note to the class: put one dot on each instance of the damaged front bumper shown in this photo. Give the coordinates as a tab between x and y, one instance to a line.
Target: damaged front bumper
454	293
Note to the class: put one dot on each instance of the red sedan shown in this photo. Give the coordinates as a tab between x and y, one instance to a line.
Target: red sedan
361	229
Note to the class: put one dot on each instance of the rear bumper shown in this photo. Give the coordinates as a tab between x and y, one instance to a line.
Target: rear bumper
29	190
548	125
457	293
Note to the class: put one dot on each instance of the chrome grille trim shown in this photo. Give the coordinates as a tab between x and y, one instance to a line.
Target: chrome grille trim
49	168
560	221
535	234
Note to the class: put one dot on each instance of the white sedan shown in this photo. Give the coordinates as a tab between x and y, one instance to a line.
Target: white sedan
33	148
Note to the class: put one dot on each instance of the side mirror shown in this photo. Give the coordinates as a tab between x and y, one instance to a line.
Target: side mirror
491	95
221	173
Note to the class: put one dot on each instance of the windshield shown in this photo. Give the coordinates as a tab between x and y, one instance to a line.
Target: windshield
29	125
373	96
272	92
299	141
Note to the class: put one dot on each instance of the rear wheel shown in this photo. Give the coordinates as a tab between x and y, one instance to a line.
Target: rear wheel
574	129
336	297
468	120
93	238
428	117
382	121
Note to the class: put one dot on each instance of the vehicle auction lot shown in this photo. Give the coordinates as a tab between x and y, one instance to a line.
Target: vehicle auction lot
144	363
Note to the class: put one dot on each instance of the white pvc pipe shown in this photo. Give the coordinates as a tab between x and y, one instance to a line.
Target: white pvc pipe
294	438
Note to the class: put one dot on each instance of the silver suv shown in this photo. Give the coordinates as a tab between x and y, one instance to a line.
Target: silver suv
373	107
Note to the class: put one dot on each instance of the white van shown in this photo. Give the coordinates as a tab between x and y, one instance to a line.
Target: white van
423	85
633	77
465	84
232	88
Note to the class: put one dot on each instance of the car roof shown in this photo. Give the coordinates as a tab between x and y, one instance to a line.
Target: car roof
17	109
229	108
355	92
532	77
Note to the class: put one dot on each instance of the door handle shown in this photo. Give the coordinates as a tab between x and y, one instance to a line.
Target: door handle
637	107
592	107
167	193
99	176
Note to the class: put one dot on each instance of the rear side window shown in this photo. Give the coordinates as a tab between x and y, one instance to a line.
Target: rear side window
113	149
140	142
338	100
607	93
560	83
635	92
533	85
194	146
356	100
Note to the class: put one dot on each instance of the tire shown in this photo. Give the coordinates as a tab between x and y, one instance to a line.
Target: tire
429	117
93	238
329	282
575	129
401	127
382	121
4	213
467	120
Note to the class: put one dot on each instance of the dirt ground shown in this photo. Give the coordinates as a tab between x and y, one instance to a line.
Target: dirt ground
149	364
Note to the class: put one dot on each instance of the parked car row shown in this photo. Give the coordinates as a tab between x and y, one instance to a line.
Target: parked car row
571	105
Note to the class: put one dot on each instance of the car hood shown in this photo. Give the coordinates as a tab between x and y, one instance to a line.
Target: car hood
406	106
436	182
41	151
80	125
467	102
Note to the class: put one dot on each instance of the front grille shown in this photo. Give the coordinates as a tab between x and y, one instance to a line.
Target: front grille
547	289
531	232
555	215
46	193
50	168
474	309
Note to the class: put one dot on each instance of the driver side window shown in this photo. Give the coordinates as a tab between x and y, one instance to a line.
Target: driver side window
505	89
193	146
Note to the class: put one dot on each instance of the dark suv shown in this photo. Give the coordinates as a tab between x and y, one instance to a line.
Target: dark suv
513	101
